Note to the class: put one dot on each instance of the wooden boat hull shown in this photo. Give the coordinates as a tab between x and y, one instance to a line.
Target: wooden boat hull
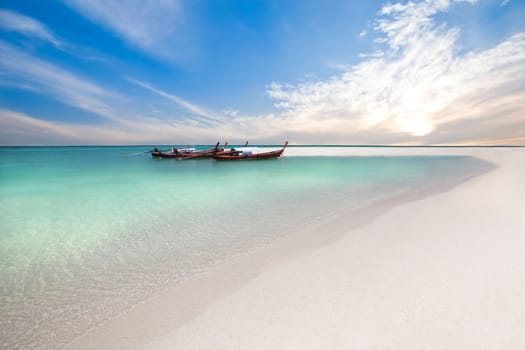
202	155
265	155
188	154
219	154
166	155
228	153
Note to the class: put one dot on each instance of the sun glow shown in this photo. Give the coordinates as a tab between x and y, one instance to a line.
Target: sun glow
416	126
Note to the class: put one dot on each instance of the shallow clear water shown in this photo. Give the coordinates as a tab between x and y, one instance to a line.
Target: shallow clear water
86	232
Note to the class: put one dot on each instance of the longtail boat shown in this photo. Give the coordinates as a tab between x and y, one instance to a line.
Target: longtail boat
156	152
173	154
185	153
252	156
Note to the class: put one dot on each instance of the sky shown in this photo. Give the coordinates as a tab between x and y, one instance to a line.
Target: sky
109	72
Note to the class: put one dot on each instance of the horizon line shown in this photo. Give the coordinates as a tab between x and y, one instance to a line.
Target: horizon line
275	144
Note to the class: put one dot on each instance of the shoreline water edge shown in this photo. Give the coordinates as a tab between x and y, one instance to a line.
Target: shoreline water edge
334	270
290	295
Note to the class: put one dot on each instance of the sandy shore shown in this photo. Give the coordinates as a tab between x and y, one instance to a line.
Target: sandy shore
444	271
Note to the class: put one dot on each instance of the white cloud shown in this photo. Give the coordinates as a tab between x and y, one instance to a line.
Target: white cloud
504	3
29	27
147	25
209	116
231	112
20	70
12	21
343	67
20	129
24	71
419	89
376	54
17	125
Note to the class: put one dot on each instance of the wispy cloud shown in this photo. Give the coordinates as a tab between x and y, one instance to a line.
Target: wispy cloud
21	129
31	28
343	67
209	116
418	89
149	26
17	128
19	69
12	21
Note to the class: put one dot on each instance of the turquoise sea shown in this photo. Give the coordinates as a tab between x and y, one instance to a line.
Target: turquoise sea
87	232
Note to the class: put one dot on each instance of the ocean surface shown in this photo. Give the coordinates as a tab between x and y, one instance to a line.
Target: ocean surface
87	232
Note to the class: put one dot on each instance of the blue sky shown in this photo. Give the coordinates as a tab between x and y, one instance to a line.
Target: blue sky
333	72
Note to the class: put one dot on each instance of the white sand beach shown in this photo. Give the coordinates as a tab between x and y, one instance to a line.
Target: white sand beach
440	271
